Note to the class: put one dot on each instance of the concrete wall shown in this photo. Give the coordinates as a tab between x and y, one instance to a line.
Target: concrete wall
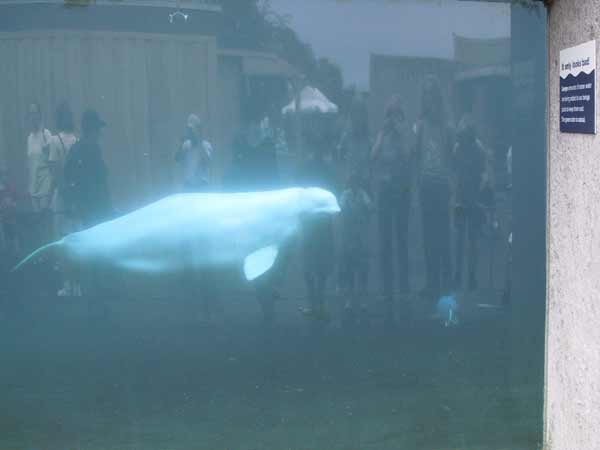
573	318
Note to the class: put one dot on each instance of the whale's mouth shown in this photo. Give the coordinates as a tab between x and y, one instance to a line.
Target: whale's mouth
324	212
328	210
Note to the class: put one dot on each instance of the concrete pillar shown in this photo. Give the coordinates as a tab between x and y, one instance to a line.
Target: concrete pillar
573	317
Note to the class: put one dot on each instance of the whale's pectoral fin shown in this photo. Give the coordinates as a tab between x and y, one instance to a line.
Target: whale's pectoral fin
260	261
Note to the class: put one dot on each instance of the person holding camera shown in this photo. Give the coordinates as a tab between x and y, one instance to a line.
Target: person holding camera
392	160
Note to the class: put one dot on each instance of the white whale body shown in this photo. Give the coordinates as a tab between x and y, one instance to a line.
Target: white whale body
192	231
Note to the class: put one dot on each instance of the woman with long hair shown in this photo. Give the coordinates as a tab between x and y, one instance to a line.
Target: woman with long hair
433	150
393	174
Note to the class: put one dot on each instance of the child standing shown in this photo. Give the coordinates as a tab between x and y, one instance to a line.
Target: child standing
356	208
318	247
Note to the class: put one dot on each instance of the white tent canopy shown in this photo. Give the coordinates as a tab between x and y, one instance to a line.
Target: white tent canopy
312	100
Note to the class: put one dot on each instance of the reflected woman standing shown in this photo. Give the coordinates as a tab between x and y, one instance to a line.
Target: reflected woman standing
40	181
433	149
392	159
40	177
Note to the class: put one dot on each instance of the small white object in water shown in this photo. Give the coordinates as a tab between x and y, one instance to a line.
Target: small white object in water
447	308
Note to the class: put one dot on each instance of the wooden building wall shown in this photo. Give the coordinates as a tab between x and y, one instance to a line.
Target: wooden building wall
144	85
229	82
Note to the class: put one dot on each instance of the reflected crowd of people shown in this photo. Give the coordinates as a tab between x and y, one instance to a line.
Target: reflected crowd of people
376	178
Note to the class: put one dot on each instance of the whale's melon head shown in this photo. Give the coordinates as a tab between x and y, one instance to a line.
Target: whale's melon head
319	201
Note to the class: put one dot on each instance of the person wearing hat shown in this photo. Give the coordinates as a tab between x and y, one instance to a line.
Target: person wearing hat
195	157
87	198
86	176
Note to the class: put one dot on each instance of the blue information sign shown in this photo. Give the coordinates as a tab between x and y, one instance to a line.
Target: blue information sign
578	89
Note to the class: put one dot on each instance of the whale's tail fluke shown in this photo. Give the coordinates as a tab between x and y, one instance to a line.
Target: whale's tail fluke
44	250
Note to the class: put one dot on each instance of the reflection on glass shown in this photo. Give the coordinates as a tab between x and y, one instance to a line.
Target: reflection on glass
271	224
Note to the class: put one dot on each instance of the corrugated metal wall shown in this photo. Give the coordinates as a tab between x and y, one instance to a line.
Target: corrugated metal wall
229	82
144	85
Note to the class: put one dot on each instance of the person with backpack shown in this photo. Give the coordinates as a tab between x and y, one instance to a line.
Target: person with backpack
60	146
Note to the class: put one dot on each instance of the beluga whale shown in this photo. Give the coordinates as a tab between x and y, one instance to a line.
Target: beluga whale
191	231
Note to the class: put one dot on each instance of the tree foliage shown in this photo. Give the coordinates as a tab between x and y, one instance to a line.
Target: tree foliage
253	24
